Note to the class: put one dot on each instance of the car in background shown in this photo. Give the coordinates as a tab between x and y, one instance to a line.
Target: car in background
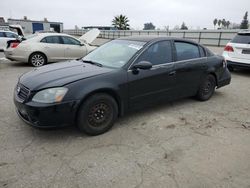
6	36
41	48
237	51
122	75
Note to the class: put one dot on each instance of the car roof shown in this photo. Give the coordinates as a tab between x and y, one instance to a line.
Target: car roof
7	31
247	31
153	38
51	34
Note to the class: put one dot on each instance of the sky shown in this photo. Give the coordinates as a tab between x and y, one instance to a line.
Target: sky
195	13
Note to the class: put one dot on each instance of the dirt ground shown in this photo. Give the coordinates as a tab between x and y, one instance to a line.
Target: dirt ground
185	143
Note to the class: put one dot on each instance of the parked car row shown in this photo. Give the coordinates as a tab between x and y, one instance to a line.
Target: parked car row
41	48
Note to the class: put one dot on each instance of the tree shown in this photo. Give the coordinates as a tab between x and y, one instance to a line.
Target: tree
219	22
228	24
215	22
244	23
149	26
121	22
223	22
183	26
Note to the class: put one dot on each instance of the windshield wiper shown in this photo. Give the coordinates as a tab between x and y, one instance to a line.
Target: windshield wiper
92	63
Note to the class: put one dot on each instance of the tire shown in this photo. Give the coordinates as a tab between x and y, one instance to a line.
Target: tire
37	59
97	114
206	89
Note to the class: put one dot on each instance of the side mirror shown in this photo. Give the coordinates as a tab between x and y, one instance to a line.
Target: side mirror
144	65
82	44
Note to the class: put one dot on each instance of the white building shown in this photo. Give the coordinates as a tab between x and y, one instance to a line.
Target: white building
31	26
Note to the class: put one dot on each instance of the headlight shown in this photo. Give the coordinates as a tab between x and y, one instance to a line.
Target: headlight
51	95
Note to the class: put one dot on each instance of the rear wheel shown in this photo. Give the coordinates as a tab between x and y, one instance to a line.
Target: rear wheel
37	59
206	89
97	114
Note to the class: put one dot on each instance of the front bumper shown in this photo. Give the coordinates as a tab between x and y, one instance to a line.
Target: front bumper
47	115
225	79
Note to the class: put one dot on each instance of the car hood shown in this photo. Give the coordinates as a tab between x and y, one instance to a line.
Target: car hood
60	74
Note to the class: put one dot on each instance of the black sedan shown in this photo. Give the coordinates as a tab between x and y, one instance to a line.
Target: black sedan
122	75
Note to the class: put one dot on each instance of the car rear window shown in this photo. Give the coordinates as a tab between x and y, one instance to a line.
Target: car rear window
242	38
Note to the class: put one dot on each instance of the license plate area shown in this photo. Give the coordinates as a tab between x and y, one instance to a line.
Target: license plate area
245	51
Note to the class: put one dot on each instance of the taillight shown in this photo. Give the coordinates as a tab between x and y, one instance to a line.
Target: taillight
228	48
14	44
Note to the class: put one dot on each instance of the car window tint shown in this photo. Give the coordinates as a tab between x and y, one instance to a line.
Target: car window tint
52	40
185	51
158	53
202	52
2	34
242	38
10	35
70	40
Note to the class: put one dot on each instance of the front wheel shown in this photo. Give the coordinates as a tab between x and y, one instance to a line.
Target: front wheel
97	114
206	89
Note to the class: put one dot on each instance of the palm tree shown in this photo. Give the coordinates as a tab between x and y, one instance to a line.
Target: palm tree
121	22
224	22
228	24
215	22
219	23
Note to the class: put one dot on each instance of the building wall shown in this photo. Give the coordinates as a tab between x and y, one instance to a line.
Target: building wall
28	28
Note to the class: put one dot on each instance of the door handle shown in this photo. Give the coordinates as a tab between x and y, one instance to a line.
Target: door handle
172	73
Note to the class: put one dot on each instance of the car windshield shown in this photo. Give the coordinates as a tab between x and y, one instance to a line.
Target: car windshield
114	54
242	38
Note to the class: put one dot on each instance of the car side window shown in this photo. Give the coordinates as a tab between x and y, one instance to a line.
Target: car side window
158	53
185	51
52	40
70	41
2	34
202	52
10	35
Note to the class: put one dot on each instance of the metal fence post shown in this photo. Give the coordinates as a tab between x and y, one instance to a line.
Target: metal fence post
184	33
199	37
219	39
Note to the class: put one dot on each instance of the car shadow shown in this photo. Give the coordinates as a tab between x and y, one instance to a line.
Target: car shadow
72	131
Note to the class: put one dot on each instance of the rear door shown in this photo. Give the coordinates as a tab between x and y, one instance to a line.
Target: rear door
53	47
73	48
190	66
241	46
156	84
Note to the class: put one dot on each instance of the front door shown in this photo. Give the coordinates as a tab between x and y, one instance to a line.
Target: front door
157	83
73	48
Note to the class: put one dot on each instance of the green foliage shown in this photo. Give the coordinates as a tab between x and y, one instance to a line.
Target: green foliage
121	22
244	23
149	26
183	26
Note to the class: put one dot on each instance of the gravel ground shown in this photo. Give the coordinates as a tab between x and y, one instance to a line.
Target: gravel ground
185	143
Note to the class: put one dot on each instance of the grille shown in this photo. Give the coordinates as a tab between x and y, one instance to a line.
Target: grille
22	92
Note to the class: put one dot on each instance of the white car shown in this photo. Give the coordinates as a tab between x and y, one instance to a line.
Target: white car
6	36
40	48
237	51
